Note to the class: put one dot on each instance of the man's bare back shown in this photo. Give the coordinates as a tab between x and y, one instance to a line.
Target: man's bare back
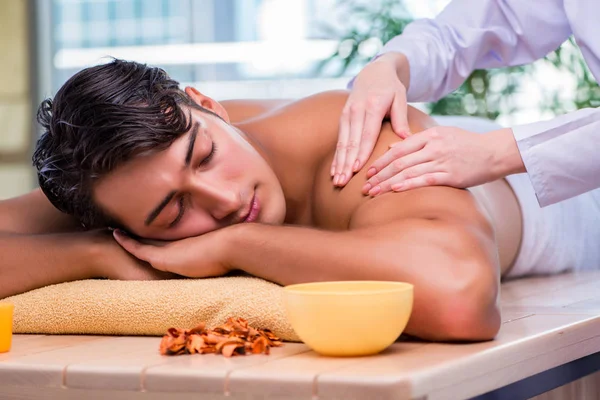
311	125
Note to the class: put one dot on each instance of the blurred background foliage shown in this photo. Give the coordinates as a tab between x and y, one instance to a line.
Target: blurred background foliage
486	93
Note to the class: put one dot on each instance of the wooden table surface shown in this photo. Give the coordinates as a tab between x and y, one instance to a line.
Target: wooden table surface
547	322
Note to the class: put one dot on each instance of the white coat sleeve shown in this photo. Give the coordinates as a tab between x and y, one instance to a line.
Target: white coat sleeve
477	34
562	155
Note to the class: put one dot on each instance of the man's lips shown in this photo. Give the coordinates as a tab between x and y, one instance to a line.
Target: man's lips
254	210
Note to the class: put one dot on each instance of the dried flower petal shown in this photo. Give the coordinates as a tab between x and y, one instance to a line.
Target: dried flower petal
259	345
200	328
195	344
234	337
227	342
229	349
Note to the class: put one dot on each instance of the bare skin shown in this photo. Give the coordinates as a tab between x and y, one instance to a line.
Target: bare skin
496	197
441	239
307	230
41	246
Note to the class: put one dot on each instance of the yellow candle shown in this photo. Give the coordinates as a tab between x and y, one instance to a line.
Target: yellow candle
6	323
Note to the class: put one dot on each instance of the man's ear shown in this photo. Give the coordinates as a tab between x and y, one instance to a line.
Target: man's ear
207	102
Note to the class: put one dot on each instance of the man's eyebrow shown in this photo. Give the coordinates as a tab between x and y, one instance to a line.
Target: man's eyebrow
188	159
152	216
190	151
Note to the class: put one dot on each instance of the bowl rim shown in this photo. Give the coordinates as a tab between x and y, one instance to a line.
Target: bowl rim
398	287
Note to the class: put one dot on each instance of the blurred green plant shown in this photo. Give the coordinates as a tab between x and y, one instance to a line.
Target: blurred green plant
485	93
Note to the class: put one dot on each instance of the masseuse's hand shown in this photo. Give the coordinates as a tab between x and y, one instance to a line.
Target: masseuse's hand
445	156
377	93
194	257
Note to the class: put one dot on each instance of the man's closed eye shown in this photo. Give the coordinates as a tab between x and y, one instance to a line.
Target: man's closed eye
205	161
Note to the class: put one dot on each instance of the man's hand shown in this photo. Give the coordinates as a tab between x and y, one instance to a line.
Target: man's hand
195	257
377	93
112	262
445	156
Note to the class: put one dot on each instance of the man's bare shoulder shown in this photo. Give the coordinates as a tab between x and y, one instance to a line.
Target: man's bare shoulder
307	131
310	124
320	104
32	213
240	110
348	208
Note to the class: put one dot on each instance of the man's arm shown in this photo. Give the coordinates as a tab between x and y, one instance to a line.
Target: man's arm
40	246
445	248
34	248
33	261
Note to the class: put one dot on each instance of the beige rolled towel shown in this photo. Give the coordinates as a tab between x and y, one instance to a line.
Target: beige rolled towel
108	307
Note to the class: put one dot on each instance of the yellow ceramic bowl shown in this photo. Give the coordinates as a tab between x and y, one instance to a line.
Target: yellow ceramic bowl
350	318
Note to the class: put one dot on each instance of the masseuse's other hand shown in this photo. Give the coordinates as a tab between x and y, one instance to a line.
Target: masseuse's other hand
111	261
444	156
377	93
194	257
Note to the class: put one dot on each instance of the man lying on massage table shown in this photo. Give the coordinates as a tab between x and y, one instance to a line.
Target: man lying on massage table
124	147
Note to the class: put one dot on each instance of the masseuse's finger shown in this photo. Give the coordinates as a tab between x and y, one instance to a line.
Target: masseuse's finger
410	145
398	115
430	179
357	120
372	127
340	153
413	175
396	168
141	251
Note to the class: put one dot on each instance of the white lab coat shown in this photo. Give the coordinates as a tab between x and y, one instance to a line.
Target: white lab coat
562	156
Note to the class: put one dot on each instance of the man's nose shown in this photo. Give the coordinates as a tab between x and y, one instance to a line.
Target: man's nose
220	201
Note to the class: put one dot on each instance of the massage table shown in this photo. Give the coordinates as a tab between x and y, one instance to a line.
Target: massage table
549	342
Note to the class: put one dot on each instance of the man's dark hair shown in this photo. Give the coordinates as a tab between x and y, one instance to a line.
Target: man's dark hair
100	118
